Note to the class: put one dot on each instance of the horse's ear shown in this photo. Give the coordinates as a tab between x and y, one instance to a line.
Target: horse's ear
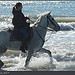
49	13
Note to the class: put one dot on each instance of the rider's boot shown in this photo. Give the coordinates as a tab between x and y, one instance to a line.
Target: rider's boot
24	46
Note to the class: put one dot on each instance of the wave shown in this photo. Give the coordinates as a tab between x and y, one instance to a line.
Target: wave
65	19
16	61
34	17
66	23
67	26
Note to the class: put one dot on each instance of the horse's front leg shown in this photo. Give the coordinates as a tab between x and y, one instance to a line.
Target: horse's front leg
48	52
1	64
28	57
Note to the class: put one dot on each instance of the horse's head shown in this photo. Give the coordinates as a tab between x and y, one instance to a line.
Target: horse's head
51	23
46	20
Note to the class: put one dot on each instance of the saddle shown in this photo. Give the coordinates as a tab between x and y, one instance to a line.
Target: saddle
15	36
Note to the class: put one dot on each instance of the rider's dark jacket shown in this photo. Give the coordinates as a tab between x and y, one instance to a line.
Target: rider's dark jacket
19	20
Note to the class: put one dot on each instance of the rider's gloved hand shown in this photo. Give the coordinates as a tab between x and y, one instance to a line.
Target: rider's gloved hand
28	18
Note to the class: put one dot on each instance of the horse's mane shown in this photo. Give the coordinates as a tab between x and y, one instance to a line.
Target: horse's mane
43	14
39	18
37	22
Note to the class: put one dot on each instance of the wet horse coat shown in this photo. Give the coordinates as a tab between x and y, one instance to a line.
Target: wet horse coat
36	43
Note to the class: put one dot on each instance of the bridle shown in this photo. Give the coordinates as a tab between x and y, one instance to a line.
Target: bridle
51	20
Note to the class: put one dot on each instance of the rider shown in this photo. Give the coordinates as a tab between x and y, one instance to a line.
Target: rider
20	24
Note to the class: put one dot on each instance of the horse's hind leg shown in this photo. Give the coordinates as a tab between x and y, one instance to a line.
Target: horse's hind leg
1	63
48	52
2	50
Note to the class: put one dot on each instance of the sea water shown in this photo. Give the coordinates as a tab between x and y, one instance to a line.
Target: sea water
61	43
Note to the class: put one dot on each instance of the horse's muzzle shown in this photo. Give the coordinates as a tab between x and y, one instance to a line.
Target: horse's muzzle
57	28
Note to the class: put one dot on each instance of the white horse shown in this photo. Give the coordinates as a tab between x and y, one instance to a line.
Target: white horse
36	43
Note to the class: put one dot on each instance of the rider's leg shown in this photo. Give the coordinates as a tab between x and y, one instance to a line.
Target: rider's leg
24	45
25	39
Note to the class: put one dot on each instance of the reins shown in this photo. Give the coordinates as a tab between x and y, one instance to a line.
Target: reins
44	28
40	35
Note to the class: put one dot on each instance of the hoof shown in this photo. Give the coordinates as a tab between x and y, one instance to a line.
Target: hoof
1	64
26	64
